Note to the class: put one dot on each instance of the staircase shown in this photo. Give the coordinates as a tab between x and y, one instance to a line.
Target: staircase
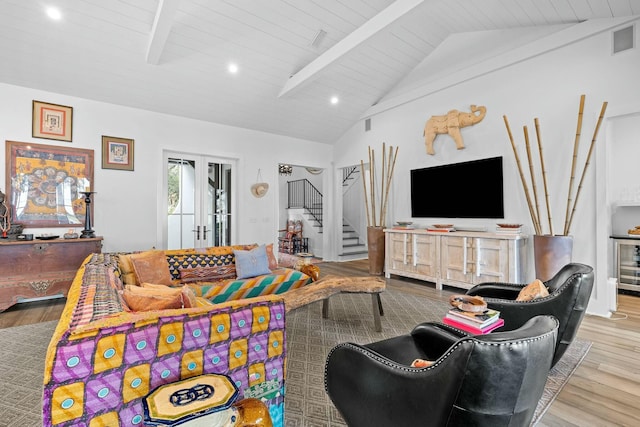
352	247
301	194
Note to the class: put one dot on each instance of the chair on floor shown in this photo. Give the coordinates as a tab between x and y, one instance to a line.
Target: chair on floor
569	293
290	243
481	380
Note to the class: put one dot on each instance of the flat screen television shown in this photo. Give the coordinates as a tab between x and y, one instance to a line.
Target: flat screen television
471	189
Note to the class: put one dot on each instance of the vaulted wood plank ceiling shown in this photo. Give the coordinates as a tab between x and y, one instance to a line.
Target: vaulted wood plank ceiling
293	55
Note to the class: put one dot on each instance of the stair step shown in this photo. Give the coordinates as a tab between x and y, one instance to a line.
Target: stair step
353	245
352	257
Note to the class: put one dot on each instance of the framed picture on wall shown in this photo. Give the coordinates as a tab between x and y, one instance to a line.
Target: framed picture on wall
52	121
44	184
117	153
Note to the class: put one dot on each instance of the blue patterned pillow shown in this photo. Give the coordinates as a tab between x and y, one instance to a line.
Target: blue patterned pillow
252	263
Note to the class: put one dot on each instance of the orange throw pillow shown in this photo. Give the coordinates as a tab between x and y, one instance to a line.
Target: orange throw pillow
151	267
421	363
126	269
189	298
273	262
146	299
533	290
161	289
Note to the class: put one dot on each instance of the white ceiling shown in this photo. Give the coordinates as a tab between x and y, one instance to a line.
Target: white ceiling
171	56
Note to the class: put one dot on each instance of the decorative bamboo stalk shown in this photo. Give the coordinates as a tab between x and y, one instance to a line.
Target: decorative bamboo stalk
391	168
366	201
536	225
544	175
384	154
586	164
573	164
372	178
533	177
388	167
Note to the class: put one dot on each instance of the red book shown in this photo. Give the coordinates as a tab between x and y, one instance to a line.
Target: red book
473	329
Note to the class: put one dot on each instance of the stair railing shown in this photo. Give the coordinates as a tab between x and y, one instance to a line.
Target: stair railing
303	194
347	173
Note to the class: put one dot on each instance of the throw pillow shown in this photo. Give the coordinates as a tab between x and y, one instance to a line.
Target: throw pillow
178	262
187	294
311	270
128	276
273	261
533	290
421	363
151	267
207	274
252	263
146	299
161	289
189	298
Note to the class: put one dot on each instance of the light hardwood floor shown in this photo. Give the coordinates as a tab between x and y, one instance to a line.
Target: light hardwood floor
604	390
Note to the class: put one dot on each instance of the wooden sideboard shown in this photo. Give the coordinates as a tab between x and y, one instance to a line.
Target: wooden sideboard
40	268
460	259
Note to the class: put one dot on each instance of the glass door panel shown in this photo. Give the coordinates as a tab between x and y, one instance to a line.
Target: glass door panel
219	215
198	201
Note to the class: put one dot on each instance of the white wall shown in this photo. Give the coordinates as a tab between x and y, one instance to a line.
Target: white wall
624	178
546	85
126	202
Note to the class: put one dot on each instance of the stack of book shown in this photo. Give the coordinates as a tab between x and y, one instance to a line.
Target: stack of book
475	323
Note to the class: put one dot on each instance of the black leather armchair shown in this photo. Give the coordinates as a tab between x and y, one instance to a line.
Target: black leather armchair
483	380
569	293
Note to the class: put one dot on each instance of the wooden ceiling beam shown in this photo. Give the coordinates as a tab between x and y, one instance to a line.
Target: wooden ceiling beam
161	27
370	28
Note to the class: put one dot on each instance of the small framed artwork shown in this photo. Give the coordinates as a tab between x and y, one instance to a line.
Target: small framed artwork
117	153
52	121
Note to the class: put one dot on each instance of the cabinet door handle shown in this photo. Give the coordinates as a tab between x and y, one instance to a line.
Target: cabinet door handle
479	262
464	255
204	232
197	231
404	252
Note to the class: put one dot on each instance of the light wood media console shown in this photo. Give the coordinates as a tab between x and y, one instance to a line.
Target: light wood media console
458	258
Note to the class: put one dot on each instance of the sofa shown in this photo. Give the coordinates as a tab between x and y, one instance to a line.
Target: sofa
104	357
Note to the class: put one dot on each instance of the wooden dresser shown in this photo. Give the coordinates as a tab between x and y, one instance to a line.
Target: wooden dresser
460	259
40	268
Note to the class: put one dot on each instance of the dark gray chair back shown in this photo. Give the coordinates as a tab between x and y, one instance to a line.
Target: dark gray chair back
569	293
486	380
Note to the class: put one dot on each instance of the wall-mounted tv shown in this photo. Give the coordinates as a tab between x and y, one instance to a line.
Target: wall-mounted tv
471	189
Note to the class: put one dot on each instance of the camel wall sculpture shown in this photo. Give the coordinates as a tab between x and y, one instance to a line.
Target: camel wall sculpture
451	123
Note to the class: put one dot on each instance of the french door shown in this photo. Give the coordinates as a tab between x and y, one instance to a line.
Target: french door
199	200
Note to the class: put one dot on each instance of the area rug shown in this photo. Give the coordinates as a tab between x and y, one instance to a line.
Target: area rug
309	339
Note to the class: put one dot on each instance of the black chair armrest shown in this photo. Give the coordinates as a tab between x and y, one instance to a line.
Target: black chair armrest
507	291
436	338
427	341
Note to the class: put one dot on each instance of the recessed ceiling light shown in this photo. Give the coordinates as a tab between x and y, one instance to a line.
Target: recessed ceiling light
54	13
233	68
334	100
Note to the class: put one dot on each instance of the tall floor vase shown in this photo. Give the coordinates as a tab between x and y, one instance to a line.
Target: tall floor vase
551	254
375	243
